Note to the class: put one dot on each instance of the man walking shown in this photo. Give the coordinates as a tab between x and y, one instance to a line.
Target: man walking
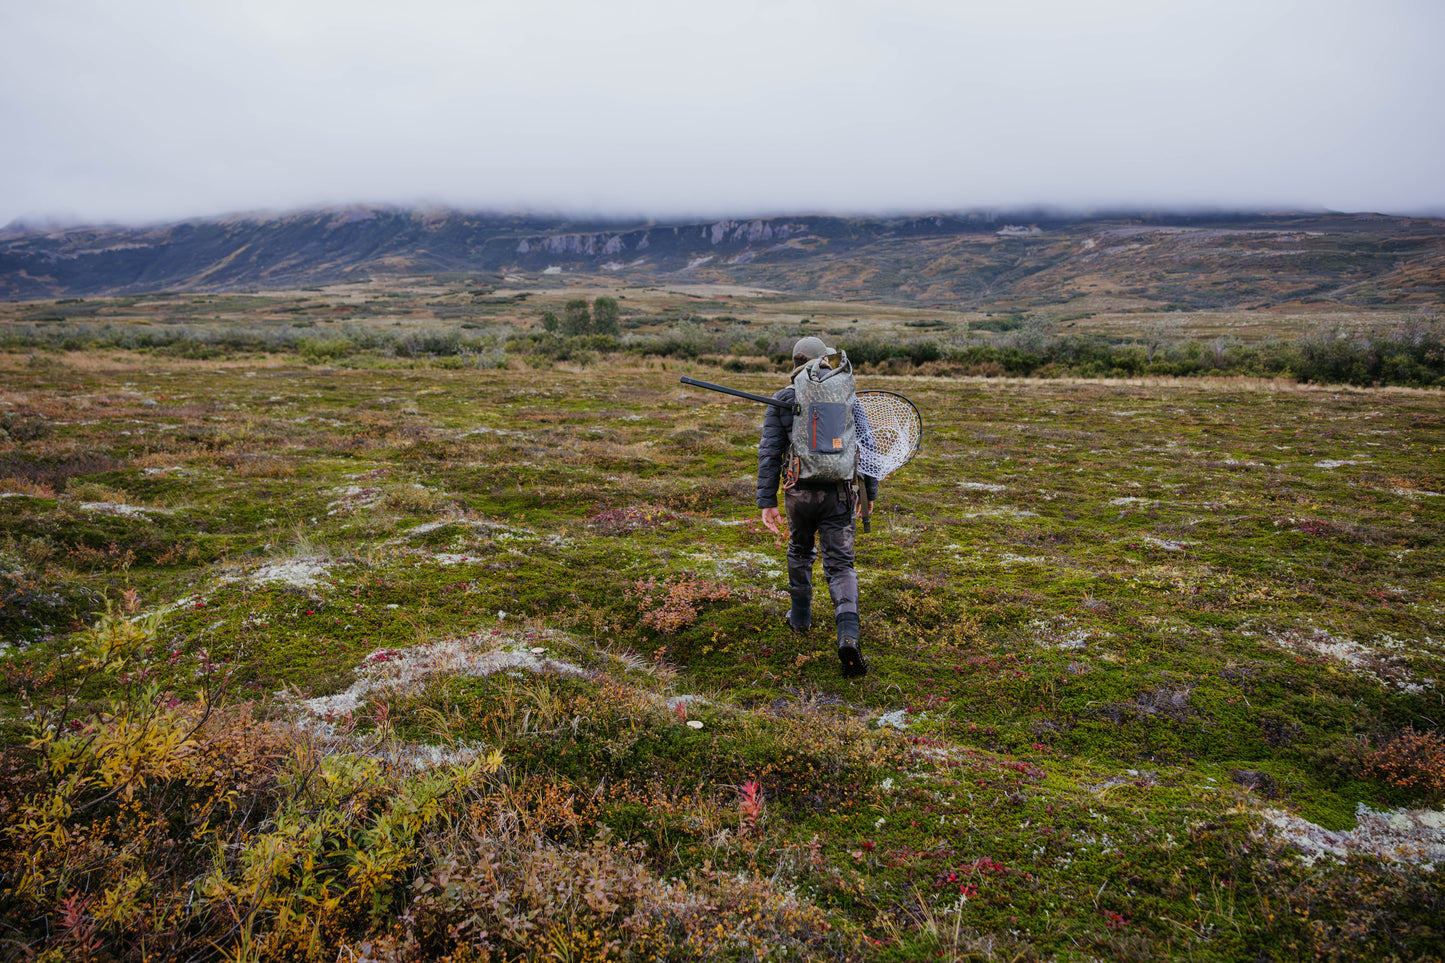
821	509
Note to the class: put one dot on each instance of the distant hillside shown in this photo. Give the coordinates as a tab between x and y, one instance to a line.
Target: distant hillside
1022	259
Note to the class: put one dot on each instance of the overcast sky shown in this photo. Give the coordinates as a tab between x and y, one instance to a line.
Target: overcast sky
148	110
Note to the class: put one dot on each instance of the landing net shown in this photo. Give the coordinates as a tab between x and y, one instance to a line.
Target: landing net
891	439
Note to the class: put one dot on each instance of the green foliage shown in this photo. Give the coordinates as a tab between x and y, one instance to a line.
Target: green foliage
687	339
876	351
576	319
581	349
1010	322
324	350
1410	355
605	316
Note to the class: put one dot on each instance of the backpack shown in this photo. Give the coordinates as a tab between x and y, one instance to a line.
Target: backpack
824	439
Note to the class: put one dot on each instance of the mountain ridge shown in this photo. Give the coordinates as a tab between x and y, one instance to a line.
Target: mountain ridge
945	259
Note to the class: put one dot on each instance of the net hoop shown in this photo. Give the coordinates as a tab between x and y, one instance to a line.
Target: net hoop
893	436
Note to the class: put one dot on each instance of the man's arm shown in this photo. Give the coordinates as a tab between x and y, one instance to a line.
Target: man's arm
772	449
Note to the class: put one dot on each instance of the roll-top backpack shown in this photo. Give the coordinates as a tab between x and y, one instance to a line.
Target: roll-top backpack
824	439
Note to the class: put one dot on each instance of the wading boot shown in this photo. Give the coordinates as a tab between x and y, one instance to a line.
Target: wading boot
800	617
850	649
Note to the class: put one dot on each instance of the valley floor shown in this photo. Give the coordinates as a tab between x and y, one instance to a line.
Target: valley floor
433	662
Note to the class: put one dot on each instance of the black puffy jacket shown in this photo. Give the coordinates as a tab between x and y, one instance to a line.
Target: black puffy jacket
776	439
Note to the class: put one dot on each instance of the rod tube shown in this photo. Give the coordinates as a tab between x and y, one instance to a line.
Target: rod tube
762	399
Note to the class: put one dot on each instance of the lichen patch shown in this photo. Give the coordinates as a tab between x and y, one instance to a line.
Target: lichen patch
123	511
1400	835
302	572
396	672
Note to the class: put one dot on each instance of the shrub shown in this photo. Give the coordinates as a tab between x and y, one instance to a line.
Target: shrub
323	350
18	427
154	827
1011	322
576	319
429	342
671	605
605	316
1413	761
580	349
684	340
601	901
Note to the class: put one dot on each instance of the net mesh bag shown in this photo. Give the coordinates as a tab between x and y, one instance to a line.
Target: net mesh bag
891	438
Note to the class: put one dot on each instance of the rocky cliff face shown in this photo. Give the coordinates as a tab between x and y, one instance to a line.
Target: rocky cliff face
339	245
945	260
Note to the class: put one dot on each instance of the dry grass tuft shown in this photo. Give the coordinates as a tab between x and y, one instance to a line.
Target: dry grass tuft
96	492
262	466
25	486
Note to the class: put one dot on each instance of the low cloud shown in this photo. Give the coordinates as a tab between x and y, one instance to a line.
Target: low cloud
161	110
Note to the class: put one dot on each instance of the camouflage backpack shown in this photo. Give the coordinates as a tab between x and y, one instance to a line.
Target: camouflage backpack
824	439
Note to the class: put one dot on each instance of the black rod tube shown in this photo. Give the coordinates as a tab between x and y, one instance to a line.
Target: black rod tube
763	399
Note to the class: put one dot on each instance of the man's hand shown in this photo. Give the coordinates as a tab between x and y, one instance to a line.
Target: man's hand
771	520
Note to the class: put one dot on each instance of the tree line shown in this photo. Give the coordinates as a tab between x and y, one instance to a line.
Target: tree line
577	320
1412	353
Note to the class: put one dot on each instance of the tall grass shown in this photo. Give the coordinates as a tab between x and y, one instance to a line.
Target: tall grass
1411	354
485	348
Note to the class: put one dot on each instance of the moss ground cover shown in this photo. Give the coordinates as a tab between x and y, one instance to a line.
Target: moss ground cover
490	664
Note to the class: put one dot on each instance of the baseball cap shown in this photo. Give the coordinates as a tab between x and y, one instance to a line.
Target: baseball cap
811	347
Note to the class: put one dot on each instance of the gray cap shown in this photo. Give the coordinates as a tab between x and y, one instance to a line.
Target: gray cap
811	347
